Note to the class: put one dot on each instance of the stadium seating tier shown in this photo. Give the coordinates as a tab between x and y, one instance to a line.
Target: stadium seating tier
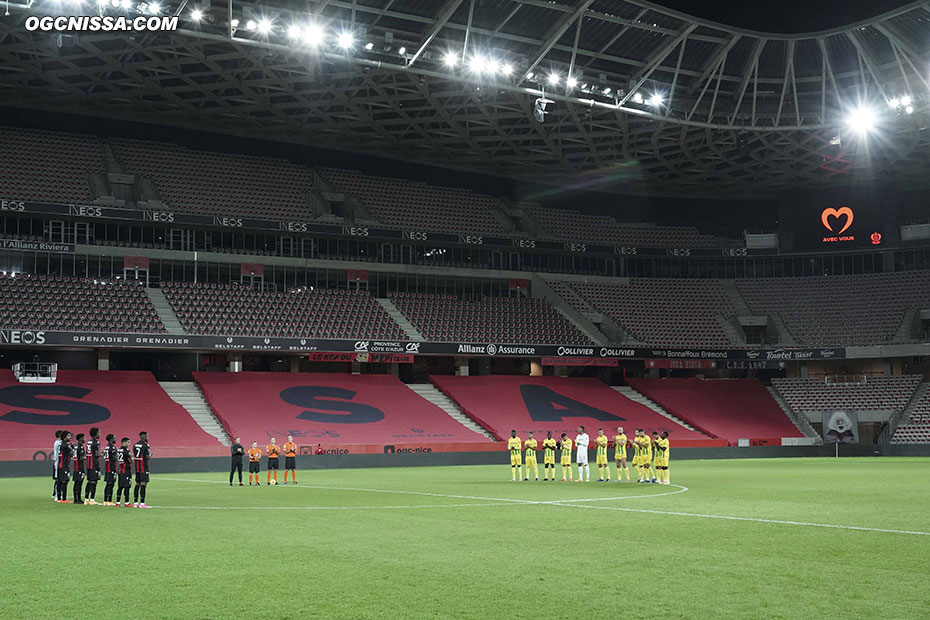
916	427
76	304
560	405
731	409
327	408
491	319
119	402
234	310
874	394
45	166
852	310
661	313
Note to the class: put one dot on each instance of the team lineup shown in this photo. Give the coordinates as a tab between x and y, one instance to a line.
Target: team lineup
650	457
80	461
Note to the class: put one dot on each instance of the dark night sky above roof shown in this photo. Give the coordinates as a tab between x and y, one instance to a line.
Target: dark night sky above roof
784	16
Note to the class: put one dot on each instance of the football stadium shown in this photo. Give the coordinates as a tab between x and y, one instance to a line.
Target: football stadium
408	309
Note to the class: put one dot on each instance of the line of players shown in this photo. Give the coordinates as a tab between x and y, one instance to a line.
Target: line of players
255	457
82	461
650	456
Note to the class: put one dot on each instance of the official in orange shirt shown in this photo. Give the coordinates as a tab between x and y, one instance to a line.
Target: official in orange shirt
255	457
273	451
290	459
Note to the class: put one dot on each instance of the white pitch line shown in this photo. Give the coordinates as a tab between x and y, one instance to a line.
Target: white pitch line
572	503
681	489
751	519
447	495
400	507
334	488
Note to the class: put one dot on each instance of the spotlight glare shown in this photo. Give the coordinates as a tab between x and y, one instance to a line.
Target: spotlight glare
154	8
313	34
234	23
294	31
477	64
861	120
893	102
656	100
264	25
345	40
196	15
115	3
909	109
637	98
571	82
507	68
906	100
450	59
250	25
553	79
126	4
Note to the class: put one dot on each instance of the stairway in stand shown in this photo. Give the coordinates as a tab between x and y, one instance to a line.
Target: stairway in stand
434	395
188	395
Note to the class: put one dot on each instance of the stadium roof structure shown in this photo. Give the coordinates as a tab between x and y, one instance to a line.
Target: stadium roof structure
658	101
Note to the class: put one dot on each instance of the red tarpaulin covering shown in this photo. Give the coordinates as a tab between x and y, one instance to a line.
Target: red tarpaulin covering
118	402
552	404
730	408
328	408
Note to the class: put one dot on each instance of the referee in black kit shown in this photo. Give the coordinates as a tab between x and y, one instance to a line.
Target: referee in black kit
237	452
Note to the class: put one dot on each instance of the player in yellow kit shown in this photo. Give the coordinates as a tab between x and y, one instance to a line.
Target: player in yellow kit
549	445
603	469
516	460
529	446
649	472
639	450
620	454
566	445
661	460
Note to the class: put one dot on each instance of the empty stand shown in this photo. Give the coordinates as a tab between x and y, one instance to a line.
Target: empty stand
875	394
662	313
731	409
560	405
220	184
569	225
404	204
76	304
916	427
491	319
234	310
44	166
119	402
327	408
840	310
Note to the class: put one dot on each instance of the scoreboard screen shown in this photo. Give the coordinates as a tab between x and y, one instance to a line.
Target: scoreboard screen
834	222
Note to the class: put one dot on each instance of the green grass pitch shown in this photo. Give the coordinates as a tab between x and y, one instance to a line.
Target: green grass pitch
745	540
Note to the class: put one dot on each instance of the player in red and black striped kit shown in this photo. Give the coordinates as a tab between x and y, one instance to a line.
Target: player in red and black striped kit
109	469
93	466
80	454
63	468
123	470
140	458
